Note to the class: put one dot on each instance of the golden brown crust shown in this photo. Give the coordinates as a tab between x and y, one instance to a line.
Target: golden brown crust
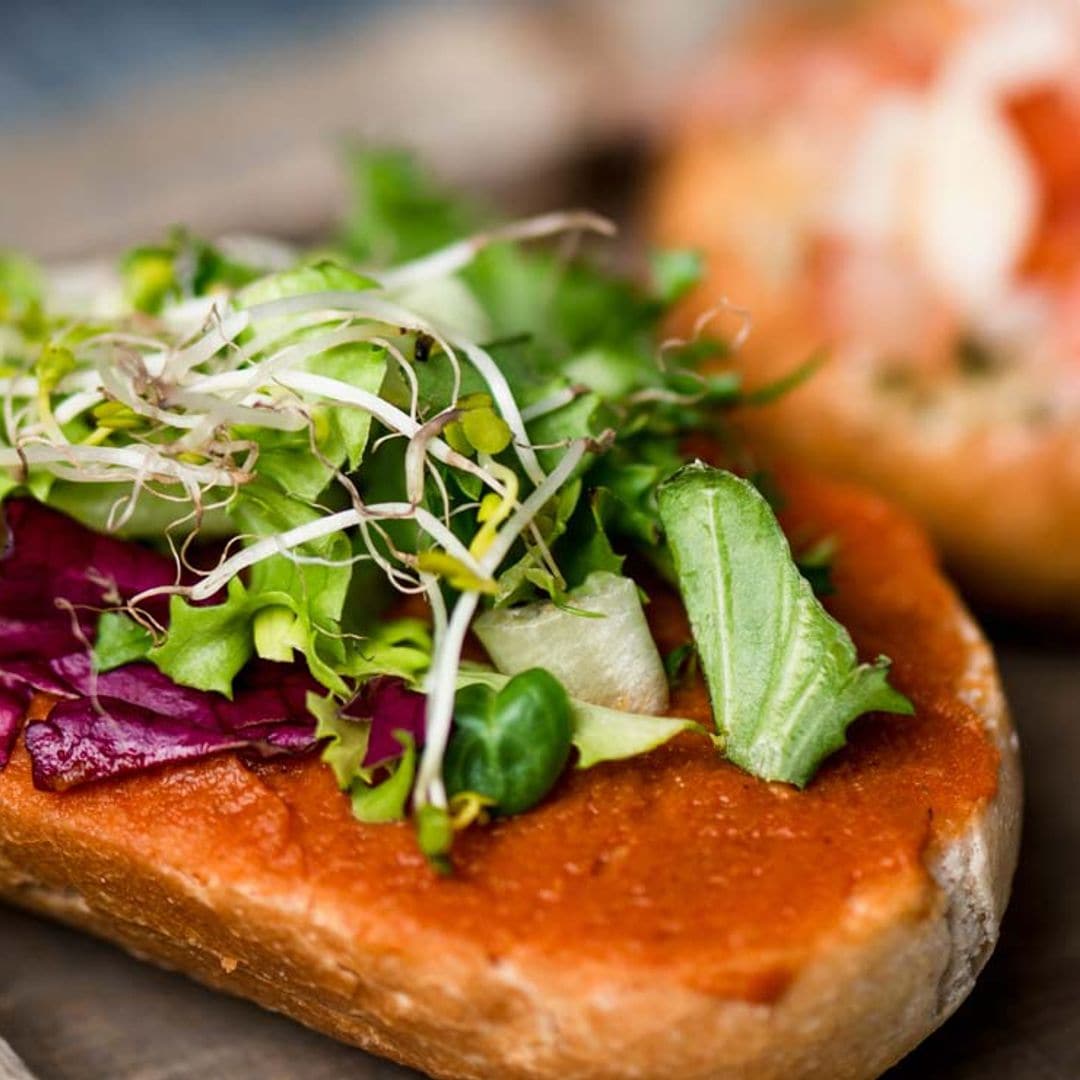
259	882
1000	496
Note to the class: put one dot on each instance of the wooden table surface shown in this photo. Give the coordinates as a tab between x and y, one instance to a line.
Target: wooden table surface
75	1009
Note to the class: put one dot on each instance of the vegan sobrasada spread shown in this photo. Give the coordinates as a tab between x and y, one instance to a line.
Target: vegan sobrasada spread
678	852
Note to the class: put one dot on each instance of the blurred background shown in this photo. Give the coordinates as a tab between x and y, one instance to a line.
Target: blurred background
119	118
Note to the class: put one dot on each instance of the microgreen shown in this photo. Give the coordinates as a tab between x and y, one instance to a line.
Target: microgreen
509	746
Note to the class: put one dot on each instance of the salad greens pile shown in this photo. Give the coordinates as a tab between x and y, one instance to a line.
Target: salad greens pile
437	409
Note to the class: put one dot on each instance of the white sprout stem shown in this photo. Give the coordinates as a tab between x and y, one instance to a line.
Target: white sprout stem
388	415
519	521
438	604
416	452
382	309
250	379
504	398
316	530
76	405
220	334
457	256
136	457
439	711
552	403
26	386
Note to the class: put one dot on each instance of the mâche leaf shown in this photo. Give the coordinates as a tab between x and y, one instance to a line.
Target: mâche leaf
783	674
510	745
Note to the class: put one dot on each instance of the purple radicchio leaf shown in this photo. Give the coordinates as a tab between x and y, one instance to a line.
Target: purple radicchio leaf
391	706
82	741
89	738
28	676
12	711
134	717
51	557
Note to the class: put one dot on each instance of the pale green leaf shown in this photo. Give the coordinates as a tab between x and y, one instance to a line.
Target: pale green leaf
783	675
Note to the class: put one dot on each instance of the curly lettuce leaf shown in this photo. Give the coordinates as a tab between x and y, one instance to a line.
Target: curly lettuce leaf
120	640
207	647
314	591
783	675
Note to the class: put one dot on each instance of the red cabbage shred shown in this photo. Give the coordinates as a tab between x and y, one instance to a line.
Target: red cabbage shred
55	578
391	707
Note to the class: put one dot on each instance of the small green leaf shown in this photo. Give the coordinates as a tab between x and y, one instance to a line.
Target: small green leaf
346	740
277	632
53	364
207	646
681	664
486	430
512	745
120	640
586	549
783	675
602	734
766	395
386	801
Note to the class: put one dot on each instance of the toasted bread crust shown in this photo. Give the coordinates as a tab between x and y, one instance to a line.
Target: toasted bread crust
214	870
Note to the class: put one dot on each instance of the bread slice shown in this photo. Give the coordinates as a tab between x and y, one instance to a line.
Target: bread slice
668	916
987	458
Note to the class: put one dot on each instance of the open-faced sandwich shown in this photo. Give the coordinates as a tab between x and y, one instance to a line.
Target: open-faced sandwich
398	640
897	184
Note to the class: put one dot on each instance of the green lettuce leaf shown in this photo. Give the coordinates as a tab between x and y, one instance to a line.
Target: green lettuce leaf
119	641
387	800
314	592
346	741
206	647
783	675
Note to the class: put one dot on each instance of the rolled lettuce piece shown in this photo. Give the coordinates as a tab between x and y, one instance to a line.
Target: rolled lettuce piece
599	647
